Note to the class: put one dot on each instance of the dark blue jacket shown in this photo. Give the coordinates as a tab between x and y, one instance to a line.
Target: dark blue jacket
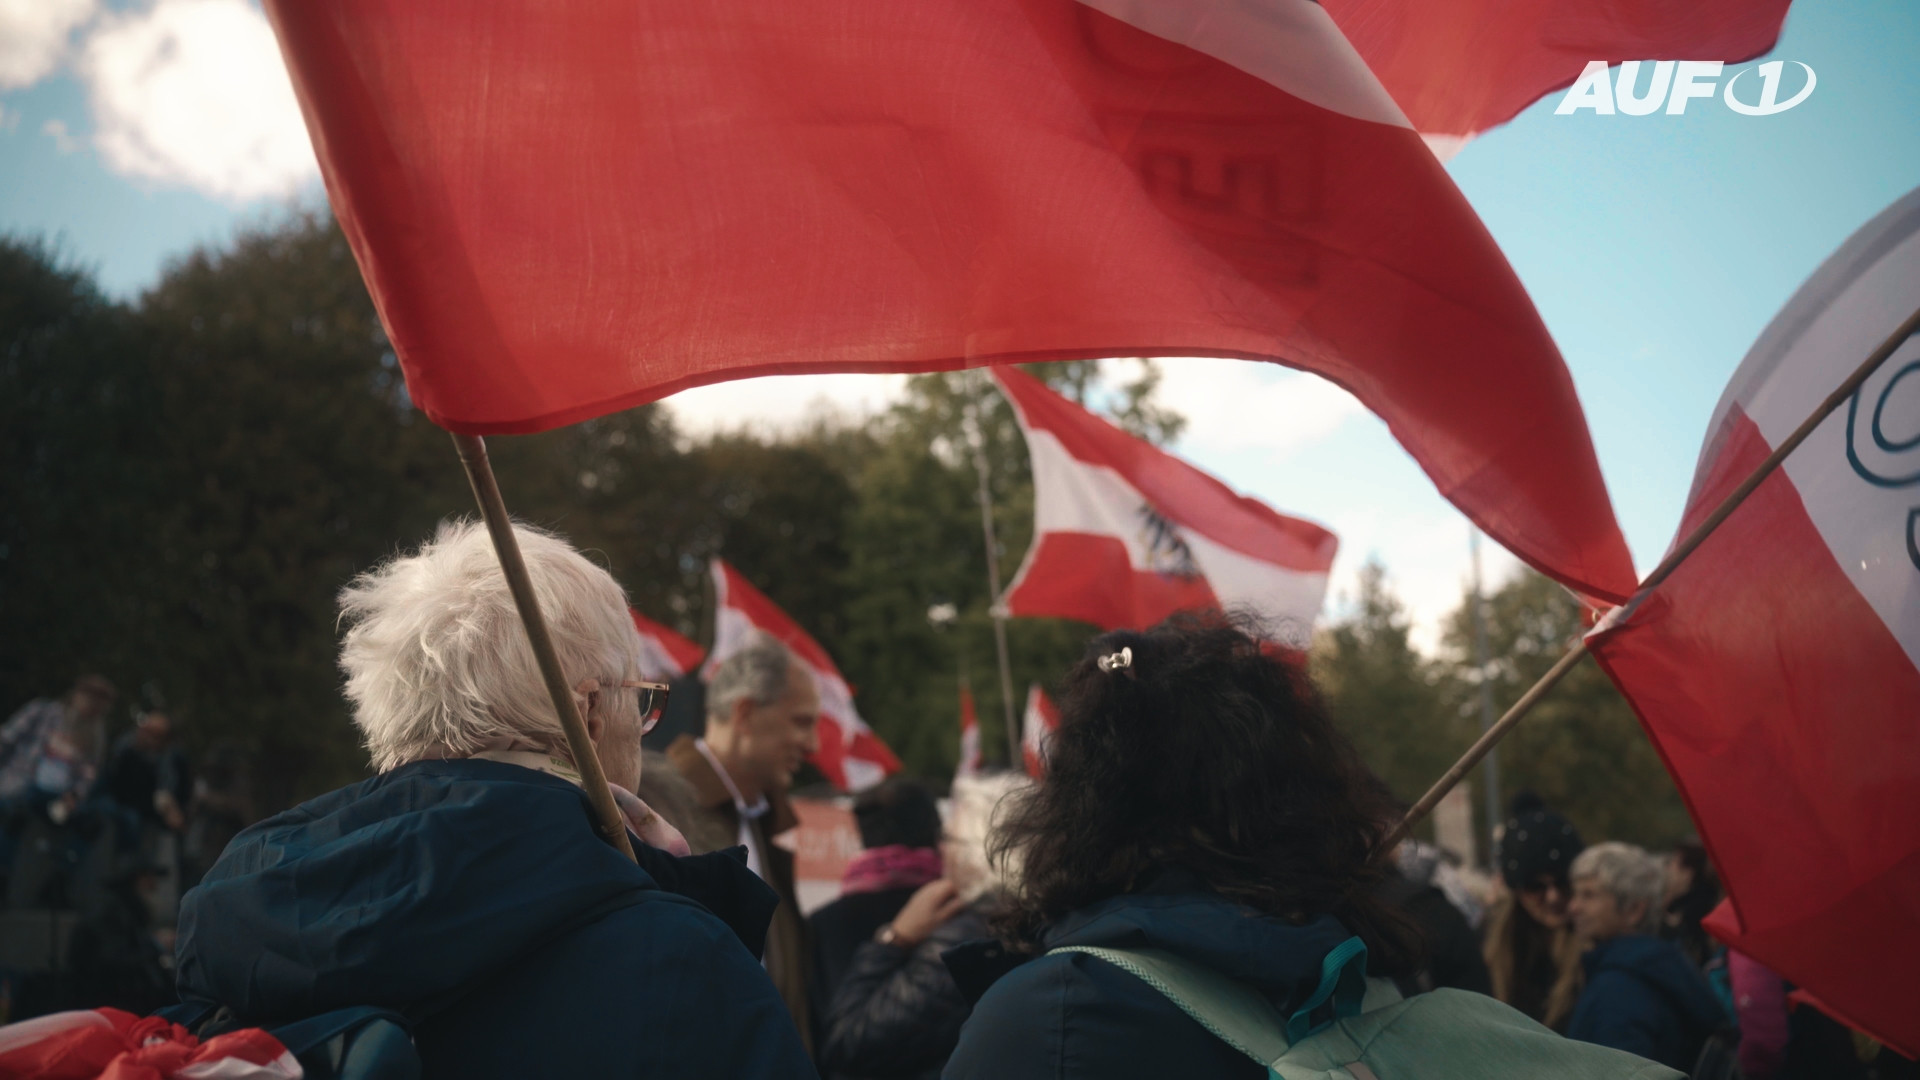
1645	997
1071	1016
474	898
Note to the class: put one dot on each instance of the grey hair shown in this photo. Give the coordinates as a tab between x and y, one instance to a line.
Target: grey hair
1627	872
437	662
758	672
972	817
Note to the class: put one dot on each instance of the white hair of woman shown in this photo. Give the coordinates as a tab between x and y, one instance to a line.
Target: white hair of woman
438	664
1627	873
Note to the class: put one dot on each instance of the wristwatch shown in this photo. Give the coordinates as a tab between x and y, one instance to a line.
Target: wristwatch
887	935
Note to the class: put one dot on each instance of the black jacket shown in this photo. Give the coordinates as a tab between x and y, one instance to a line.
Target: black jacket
1069	1016
839	929
1452	948
897	1012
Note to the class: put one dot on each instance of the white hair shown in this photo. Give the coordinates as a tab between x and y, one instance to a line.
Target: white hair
437	661
1629	874
758	672
971	820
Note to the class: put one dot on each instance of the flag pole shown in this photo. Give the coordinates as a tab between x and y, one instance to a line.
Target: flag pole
1492	736
1490	779
486	491
978	441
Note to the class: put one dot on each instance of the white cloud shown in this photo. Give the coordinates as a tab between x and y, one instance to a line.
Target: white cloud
63	140
34	36
193	92
1237	405
776	404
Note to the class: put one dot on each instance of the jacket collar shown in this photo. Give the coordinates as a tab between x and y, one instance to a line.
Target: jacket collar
711	791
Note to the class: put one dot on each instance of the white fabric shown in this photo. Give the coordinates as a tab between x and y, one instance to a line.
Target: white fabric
1291	44
748	814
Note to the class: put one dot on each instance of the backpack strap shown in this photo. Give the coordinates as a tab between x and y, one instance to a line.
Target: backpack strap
1231	1010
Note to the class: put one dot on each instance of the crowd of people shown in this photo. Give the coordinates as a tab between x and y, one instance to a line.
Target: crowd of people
1203	854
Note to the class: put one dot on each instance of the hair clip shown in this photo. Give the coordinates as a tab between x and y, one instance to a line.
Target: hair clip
1116	661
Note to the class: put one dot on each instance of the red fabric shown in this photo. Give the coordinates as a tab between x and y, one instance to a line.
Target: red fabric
680	654
1785	711
110	1044
895	866
969	736
850	754
569	207
1042	720
1466	65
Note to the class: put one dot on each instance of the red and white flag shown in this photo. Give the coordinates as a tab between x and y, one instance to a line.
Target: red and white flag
1036	730
969	736
850	754
567	207
87	1044
1125	534
1778	670
664	654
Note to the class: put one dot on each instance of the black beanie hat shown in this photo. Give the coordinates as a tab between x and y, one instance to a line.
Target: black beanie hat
1535	842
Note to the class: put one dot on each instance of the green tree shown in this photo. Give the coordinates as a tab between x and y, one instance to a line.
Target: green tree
1581	748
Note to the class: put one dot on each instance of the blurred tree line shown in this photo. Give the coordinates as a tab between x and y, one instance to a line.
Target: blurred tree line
187	481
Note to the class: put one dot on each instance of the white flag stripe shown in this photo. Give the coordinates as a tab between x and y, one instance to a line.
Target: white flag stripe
1861	502
1293	45
1073	496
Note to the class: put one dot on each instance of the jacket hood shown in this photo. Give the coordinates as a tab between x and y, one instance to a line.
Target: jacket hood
1663	967
1180	916
402	890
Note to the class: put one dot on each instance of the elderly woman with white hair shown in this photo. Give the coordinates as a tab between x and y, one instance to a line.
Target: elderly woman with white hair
463	886
1643	994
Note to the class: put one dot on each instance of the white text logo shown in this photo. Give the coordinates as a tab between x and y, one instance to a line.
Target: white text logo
1676	82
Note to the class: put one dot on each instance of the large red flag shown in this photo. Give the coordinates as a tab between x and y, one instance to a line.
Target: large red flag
664	654
1778	670
1125	534
850	754
574	206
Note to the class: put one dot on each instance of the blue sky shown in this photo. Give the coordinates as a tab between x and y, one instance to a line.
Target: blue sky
1656	247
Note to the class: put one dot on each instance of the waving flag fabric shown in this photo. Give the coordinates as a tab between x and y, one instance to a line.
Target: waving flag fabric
1778	670
568	207
1041	720
664	654
1461	67
969	736
850	754
112	1044
1126	534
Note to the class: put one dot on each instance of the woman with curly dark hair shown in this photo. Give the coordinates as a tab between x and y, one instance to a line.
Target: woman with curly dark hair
1199	801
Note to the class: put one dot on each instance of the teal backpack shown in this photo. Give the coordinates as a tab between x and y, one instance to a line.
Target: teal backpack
1356	1028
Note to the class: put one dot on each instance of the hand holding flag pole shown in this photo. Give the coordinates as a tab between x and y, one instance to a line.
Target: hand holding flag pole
486	491
1492	736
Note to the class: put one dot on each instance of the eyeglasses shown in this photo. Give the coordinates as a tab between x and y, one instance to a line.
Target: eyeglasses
651	699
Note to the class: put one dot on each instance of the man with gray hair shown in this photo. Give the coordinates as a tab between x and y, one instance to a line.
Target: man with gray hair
729	787
463	887
1643	995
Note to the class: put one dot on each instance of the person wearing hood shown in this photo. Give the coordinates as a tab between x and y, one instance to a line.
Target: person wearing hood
1198	801
1643	994
463	887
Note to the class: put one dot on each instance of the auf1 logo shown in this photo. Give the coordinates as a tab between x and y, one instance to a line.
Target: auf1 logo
1677	82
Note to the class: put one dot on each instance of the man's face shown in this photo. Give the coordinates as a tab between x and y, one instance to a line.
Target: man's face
770	741
1596	913
90	705
155	730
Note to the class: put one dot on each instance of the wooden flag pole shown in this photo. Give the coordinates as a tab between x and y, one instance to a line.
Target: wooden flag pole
1667	566
486	491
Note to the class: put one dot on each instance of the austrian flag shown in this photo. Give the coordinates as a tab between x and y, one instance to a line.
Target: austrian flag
850	754
1126	534
664	654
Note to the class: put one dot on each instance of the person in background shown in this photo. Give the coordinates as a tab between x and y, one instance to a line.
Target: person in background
1198	801
900	832
464	885
1693	891
729	789
1642	995
1452	955
1533	958
147	775
897	1013
50	750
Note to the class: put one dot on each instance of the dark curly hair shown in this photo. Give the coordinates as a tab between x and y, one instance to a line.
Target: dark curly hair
1210	755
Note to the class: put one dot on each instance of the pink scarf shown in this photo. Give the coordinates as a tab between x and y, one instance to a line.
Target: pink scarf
895	866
